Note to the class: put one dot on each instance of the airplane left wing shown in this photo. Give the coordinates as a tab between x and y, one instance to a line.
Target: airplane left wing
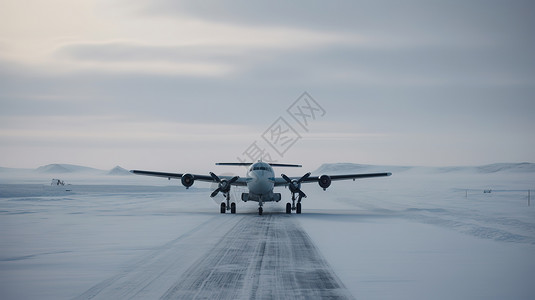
188	179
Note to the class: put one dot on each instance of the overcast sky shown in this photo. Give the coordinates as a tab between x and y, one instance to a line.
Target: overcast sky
177	86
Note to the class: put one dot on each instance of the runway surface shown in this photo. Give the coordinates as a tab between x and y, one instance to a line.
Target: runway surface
229	257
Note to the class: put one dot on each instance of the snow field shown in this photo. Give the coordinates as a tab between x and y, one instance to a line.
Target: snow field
420	234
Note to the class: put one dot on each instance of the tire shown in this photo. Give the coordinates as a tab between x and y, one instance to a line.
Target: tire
298	210
288	208
223	207
260	211
233	208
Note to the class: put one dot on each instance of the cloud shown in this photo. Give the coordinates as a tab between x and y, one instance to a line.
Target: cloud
118	51
45	39
434	22
190	60
134	75
112	130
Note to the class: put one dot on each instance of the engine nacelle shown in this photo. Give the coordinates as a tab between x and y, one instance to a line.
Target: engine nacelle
294	186
187	180
324	181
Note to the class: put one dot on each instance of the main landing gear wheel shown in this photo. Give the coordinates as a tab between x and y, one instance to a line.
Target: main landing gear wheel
233	208
298	210
288	208
223	207
260	210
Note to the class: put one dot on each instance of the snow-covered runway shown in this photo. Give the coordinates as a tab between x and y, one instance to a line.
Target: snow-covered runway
240	257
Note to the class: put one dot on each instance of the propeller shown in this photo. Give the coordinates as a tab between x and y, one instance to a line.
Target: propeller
224	185
295	185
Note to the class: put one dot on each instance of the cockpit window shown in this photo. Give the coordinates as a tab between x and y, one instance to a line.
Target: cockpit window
260	168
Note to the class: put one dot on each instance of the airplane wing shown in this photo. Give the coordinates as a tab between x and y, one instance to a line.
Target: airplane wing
279	181
348	176
208	178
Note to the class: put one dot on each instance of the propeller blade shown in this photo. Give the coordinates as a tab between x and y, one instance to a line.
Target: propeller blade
214	193
303	178
214	176
286	178
303	195
233	179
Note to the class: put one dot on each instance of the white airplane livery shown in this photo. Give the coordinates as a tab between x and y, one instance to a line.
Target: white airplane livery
260	182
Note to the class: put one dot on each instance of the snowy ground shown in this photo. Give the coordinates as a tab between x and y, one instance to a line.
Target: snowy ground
424	233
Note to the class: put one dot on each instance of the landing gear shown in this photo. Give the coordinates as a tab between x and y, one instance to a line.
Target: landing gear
260	204
293	206
224	208
295	189
228	206
227	196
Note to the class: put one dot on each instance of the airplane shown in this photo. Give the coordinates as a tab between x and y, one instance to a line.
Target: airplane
260	181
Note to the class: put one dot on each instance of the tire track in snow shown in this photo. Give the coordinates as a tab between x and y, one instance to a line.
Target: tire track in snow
154	272
262	257
229	257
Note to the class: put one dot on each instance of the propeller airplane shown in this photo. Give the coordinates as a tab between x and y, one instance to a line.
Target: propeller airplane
260	181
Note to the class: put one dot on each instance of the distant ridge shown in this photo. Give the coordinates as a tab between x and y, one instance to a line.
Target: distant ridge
333	168
524	167
118	171
513	167
5	169
328	168
65	168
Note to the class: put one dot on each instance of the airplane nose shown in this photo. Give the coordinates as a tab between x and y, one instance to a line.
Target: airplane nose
260	182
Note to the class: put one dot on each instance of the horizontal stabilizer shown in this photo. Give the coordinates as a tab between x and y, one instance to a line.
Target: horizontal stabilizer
285	165
248	164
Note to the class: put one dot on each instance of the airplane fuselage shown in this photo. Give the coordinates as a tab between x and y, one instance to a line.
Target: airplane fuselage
260	178
260	183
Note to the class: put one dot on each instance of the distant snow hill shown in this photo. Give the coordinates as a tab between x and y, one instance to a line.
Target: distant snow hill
330	168
67	168
519	167
4	169
334	168
493	168
118	171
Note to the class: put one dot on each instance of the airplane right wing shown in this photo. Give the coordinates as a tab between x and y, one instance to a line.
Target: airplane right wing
349	176
325	180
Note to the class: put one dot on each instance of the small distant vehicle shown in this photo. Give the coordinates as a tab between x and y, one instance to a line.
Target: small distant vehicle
56	182
260	181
